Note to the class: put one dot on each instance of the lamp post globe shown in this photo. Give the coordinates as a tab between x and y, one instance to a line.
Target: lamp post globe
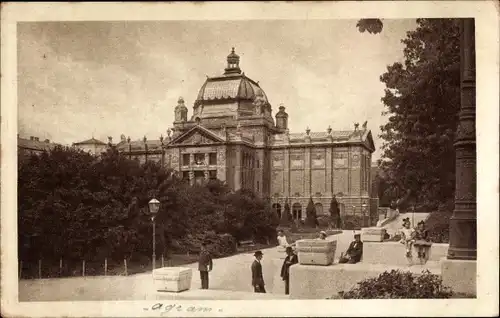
154	207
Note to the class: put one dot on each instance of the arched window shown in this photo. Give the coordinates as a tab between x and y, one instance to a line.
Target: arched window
297	211
277	209
319	208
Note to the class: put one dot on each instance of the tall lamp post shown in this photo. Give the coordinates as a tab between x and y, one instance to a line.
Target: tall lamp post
154	206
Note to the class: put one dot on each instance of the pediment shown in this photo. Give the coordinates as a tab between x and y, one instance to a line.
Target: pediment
197	136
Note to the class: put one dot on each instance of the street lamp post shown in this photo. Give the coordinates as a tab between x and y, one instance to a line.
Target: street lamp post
154	206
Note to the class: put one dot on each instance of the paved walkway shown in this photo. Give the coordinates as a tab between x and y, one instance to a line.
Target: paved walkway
229	275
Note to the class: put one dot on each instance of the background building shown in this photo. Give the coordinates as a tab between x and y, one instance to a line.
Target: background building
32	146
233	137
92	146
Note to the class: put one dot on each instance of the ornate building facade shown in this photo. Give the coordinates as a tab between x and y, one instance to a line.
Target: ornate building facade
232	136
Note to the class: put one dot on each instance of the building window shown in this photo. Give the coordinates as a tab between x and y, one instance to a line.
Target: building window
212	174
297	211
199	158
212	159
258	186
258	163
319	208
185	175
185	160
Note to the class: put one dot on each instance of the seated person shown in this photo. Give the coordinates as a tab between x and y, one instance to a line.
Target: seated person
282	241
322	235
354	252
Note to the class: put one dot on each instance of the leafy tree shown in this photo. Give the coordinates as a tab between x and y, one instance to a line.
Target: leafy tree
335	212
311	218
286	215
422	99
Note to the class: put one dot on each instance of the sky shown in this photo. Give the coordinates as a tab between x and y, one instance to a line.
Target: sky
82	79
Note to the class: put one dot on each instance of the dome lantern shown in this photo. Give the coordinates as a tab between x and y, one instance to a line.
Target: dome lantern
233	64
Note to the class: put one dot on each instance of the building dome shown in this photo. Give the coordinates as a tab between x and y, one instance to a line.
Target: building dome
233	85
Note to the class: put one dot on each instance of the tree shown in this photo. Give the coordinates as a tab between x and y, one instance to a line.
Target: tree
422	97
335	212
286	216
311	217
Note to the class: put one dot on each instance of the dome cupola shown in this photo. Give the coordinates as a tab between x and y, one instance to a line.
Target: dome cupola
233	64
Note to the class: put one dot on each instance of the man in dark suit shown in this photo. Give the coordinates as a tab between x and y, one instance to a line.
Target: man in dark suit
204	265
257	278
354	252
290	259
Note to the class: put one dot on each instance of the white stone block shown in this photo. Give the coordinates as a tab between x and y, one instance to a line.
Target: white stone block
316	252
459	275
394	253
172	279
372	234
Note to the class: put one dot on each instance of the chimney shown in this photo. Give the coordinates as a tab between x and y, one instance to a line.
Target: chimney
36	139
32	138
47	141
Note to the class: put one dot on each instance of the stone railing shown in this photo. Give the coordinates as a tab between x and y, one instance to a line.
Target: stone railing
390	215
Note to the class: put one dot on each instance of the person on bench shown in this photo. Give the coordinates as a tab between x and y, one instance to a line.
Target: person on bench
354	252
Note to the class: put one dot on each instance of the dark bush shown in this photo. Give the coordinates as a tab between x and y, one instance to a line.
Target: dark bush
438	226
397	285
219	245
352	222
324	221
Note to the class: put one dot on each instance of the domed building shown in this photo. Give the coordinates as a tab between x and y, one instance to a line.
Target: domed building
232	136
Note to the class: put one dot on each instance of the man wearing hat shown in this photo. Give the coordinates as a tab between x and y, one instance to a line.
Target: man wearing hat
354	252
257	278
290	259
322	235
204	265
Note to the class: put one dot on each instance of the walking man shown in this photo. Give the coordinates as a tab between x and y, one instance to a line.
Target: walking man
204	265
257	278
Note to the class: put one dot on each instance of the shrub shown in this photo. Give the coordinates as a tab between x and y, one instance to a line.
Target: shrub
438	226
398	284
324	221
219	245
311	218
352	222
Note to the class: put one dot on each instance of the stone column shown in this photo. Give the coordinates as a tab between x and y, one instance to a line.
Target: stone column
329	169
463	222
286	172
459	269
237	169
307	172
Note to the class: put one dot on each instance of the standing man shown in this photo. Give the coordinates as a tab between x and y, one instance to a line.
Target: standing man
290	259
204	265
257	278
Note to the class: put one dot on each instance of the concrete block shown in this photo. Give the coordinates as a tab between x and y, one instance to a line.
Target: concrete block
172	279
316	252
460	275
320	282
393	253
372	234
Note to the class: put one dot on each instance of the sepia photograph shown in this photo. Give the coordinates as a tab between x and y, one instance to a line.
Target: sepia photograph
182	160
